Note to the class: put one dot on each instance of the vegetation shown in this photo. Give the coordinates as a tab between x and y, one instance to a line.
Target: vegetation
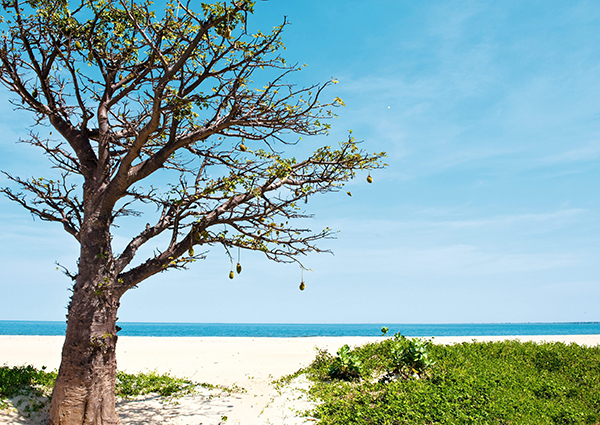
410	357
29	381
133	385
24	380
406	381
410	381
345	365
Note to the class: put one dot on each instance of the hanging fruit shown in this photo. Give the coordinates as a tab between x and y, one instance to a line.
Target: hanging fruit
243	147
369	179
238	268
231	274
302	285
349	194
191	251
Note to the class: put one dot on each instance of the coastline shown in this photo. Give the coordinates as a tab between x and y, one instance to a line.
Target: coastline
252	363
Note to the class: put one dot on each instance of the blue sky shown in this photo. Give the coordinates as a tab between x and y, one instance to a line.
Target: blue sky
489	210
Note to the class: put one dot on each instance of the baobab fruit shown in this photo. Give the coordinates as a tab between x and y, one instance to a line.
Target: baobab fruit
191	251
238	268
231	275
369	179
349	194
243	147
197	236
302	286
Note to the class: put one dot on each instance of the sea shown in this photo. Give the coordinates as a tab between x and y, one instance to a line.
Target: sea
287	330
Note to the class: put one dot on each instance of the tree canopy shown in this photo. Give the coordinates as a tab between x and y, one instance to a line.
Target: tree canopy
132	92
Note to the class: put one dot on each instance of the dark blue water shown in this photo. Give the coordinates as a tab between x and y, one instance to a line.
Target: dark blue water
305	330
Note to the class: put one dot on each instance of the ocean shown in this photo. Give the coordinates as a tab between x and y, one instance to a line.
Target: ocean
282	330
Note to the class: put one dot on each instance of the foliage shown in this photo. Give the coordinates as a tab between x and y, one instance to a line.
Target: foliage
478	383
346	365
27	380
164	385
132	385
409	356
24	380
398	355
186	94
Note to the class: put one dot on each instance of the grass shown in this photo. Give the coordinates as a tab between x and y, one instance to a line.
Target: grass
471	383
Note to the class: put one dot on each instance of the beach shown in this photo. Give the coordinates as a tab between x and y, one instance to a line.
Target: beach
249	363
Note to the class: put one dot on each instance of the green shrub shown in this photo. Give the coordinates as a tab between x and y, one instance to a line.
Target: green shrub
346	366
471	383
410	357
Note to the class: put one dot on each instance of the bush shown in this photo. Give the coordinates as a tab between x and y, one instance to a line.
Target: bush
410	357
346	366
471	383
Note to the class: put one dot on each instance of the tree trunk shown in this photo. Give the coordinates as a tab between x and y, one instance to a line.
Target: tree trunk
84	392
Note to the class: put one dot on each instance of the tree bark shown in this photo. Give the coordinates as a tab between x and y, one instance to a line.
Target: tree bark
84	392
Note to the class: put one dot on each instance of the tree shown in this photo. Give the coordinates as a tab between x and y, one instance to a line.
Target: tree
140	100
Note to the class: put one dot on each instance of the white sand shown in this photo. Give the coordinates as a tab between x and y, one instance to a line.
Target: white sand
251	363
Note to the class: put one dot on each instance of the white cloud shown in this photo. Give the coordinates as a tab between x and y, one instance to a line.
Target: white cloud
436	219
442	263
586	153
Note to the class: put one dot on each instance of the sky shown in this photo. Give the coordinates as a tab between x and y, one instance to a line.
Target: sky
488	212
